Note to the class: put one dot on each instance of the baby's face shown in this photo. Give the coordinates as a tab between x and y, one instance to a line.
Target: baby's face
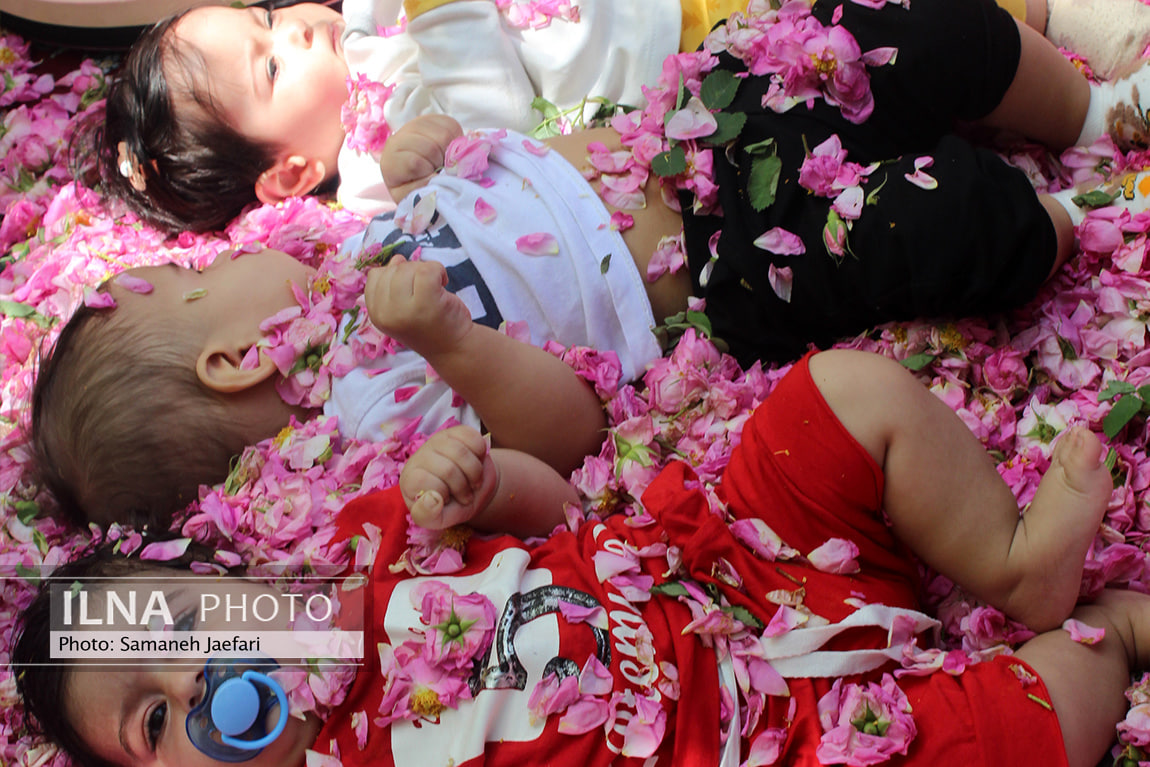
136	715
231	298
278	76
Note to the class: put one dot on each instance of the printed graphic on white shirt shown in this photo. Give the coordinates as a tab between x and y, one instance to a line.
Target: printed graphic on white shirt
525	650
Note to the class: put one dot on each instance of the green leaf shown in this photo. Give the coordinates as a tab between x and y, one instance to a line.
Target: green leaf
700	322
918	361
1095	198
760	147
681	94
1123	411
16	309
605	264
671	589
26	511
744	616
376	255
545	108
718	89
1144	393
548	127
670	163
1114	388
352	324
729	126
1067	349
631	451
764	181
29	574
545	130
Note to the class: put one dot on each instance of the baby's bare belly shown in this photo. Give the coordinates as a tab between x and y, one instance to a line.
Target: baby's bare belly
669	293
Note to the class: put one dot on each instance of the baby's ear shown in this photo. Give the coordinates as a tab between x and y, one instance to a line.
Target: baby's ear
221	369
291	176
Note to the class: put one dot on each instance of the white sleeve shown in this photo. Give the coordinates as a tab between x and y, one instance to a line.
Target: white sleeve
375	402
466	66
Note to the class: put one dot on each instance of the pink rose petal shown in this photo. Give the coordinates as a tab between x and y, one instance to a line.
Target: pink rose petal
98	299
920	179
837	555
133	283
780	242
538	244
162	551
621	221
484	211
1082	633
781	281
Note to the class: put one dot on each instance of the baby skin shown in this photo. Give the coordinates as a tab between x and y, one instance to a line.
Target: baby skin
942	494
944	501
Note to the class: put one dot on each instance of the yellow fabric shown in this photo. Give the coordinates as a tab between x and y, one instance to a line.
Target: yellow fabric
413	8
700	15
1016	8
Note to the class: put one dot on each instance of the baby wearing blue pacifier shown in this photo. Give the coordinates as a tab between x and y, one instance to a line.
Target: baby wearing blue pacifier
230	723
182	709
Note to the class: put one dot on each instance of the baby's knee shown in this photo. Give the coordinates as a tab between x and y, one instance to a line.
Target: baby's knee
849	374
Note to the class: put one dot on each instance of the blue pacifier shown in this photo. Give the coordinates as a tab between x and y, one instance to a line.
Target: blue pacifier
230	723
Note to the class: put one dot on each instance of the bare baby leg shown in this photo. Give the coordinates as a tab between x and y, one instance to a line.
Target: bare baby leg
945	499
1086	682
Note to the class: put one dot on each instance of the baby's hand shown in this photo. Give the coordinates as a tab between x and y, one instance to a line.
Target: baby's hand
407	300
448	480
415	152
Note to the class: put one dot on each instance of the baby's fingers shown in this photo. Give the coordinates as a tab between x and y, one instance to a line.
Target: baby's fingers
446	471
427	508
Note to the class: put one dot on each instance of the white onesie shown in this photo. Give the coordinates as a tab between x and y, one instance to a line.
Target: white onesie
462	58
575	296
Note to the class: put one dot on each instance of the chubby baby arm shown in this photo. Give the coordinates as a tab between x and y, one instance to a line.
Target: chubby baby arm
455	479
528	399
408	301
416	152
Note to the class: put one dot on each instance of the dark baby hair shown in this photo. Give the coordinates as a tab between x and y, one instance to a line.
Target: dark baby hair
41	684
197	172
122	430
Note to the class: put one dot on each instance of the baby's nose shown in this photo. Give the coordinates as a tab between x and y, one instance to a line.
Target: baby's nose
301	33
193	687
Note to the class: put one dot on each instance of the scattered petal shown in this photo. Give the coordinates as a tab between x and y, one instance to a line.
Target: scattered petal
538	244
1082	633
484	211
920	179
780	242
133	283
162	551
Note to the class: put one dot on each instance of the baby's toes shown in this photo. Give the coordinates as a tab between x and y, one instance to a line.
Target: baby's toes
1079	454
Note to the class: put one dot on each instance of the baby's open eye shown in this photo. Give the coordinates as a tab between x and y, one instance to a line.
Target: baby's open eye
185	621
155	724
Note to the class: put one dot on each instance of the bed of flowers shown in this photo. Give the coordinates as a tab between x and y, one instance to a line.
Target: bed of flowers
1076	355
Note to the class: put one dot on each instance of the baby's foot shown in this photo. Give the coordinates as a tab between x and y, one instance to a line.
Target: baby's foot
1077	477
1061	524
